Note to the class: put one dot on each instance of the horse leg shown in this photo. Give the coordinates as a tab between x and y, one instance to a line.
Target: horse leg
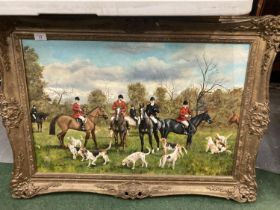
125	134
165	134
122	137
116	139
151	141
86	138
157	139
141	135
94	137
60	137
189	142
121	140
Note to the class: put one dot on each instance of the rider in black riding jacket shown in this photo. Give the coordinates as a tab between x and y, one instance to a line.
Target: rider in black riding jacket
133	114
33	113
152	110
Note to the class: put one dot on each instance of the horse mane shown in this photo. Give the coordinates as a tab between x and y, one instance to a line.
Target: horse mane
93	109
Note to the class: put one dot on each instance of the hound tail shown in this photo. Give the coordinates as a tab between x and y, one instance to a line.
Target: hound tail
185	150
148	151
109	147
229	136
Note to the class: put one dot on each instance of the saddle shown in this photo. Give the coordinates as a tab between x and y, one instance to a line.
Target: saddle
182	124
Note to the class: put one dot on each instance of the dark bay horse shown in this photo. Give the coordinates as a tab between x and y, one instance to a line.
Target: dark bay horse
146	126
171	125
40	118
119	128
66	122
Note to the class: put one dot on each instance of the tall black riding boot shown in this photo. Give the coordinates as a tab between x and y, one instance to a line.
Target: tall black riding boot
83	127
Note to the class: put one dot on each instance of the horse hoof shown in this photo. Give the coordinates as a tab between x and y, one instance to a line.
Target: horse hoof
153	151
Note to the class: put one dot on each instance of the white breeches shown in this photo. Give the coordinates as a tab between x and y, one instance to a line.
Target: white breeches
82	118
126	118
153	119
186	123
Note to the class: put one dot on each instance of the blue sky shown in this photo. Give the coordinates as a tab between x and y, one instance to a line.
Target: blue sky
86	65
100	53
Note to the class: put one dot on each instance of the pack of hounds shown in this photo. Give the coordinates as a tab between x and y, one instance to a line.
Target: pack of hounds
171	152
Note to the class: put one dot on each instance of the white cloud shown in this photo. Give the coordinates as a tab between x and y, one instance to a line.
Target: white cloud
83	76
134	47
221	54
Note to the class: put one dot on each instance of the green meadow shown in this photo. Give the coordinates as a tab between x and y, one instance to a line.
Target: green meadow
52	158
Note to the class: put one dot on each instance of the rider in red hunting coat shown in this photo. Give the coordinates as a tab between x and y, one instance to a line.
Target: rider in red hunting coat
184	114
78	113
120	104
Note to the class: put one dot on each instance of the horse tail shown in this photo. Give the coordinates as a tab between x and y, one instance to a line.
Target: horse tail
52	125
148	151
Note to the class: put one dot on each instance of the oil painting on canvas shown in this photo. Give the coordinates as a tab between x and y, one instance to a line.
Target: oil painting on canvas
151	108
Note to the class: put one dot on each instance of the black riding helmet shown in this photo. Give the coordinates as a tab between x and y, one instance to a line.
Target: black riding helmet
120	96
185	102
77	98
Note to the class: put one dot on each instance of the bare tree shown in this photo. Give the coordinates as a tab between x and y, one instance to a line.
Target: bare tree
60	93
169	85
210	79
107	92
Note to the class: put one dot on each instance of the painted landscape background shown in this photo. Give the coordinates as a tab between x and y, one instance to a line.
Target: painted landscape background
209	76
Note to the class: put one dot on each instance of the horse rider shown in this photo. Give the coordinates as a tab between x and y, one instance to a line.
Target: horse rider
78	113
120	103
34	113
133	114
152	110
184	116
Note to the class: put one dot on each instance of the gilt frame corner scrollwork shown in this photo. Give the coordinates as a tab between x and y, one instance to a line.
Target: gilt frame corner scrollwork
263	33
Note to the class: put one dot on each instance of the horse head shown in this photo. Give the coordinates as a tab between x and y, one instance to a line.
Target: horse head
97	112
117	113
142	111
206	117
102	113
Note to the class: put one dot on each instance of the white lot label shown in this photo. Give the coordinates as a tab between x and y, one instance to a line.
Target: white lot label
40	36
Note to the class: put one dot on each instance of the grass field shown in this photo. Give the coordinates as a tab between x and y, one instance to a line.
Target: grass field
51	158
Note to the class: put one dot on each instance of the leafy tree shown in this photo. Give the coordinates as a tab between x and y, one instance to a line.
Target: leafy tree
96	98
136	93
34	74
160	94
161	97
35	81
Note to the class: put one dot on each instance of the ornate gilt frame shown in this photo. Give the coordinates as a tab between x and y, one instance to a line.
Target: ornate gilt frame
263	33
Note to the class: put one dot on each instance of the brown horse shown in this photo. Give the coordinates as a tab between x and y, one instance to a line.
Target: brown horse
234	118
66	122
119	127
